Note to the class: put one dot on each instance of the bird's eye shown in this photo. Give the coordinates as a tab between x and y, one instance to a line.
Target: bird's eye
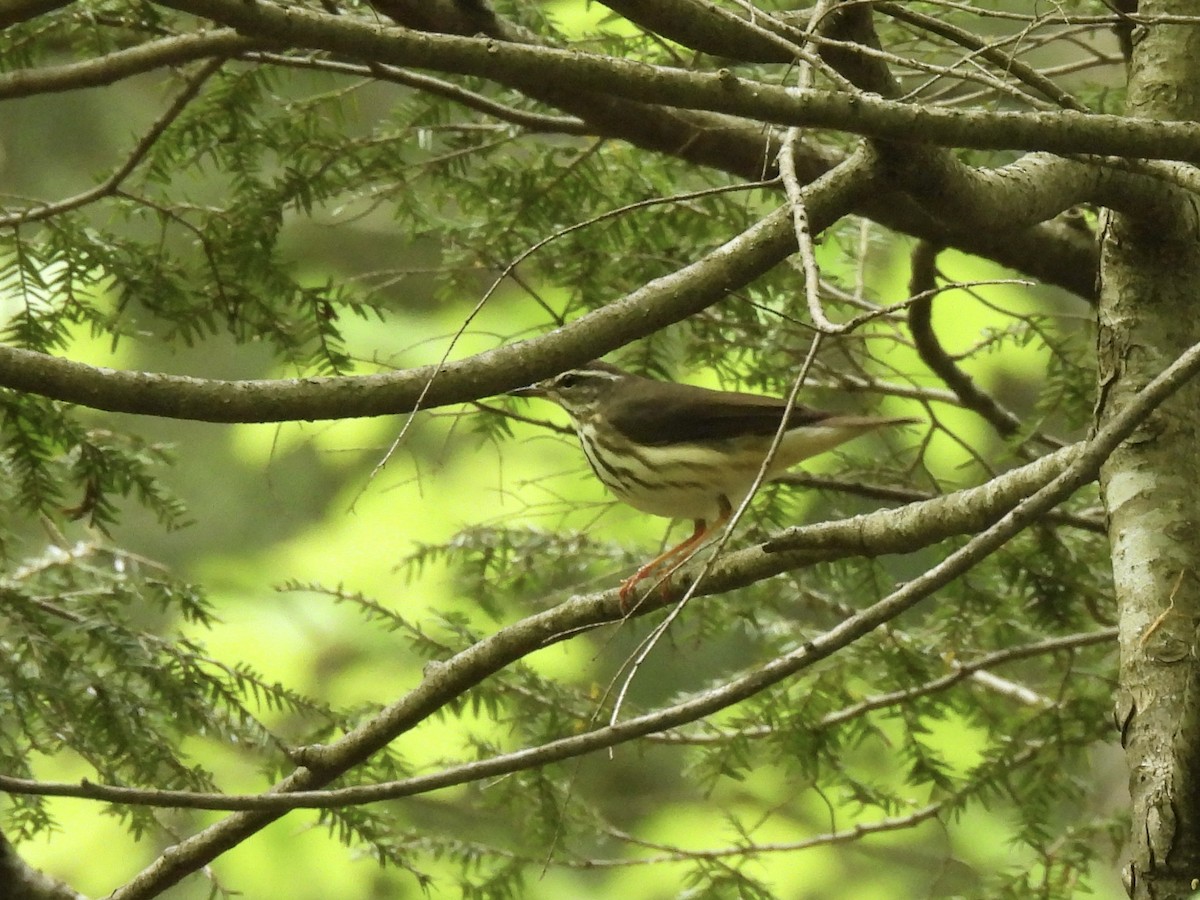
569	379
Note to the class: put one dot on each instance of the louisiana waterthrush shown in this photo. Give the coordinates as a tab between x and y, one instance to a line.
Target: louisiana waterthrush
686	452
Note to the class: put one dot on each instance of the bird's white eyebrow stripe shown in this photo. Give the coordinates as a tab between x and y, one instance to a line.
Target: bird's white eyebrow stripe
585	373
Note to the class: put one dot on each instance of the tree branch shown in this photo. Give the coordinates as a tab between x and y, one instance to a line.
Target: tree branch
23	10
920	322
662	302
892	494
112	67
959	672
20	881
349	796
1058	132
1035	187
708	28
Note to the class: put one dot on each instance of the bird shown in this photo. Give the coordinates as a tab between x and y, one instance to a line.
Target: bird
686	452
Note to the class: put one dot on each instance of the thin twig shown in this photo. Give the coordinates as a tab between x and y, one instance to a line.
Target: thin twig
112	183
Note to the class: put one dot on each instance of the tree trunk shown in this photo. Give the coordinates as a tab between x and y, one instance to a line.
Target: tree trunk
1150	279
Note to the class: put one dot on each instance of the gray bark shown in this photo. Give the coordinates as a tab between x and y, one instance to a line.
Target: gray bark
1150	277
20	881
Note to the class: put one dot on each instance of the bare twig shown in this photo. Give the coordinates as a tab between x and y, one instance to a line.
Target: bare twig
112	183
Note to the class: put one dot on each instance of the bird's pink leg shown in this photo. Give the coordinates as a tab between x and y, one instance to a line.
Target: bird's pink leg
700	532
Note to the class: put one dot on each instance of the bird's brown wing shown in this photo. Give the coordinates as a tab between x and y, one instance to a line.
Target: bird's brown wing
691	413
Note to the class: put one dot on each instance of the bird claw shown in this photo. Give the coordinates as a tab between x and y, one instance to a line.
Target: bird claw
626	593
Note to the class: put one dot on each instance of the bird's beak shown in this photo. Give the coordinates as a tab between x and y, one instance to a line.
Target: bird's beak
532	390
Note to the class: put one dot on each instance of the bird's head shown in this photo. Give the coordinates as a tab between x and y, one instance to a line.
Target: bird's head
579	391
